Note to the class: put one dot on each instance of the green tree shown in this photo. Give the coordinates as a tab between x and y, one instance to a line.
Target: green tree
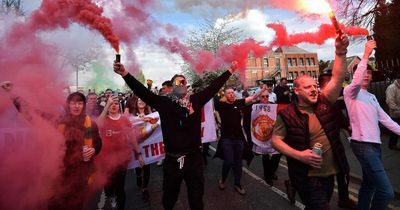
140	77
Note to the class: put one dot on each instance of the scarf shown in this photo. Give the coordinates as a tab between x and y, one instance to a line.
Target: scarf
88	141
183	102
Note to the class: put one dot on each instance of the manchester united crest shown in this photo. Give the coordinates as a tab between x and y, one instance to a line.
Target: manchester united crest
262	128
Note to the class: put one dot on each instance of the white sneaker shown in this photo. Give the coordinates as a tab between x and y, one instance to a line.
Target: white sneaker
159	163
113	202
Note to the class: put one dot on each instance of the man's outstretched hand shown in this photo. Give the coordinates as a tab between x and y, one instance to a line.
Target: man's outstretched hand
120	69
341	44
234	67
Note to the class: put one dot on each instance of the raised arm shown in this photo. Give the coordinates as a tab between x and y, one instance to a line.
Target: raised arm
355	85
103	114
138	88
334	86
205	95
256	95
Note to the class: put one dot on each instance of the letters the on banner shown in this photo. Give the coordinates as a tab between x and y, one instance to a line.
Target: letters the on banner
151	141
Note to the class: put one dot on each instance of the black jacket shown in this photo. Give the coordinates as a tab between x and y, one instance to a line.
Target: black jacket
181	131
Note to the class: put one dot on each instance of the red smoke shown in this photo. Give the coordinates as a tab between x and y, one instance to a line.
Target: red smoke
31	152
207	61
61	13
174	46
203	60
30	158
133	22
324	32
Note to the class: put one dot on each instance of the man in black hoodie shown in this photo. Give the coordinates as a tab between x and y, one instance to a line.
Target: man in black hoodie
180	115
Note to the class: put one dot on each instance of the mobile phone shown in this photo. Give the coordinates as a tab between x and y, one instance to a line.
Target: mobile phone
118	58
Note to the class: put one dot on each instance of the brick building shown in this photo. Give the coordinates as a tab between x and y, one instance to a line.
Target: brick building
288	62
351	62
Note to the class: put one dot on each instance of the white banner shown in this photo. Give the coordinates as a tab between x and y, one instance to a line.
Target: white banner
263	118
208	125
14	130
152	147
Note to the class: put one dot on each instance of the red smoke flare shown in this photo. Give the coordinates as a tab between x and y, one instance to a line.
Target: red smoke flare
324	32
207	61
61	13
133	22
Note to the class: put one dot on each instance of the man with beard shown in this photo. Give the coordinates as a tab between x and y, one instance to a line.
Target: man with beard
309	121
180	117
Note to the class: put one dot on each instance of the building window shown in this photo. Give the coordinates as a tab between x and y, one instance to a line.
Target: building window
289	62
290	75
309	73
302	73
313	61
313	74
265	60
294	61
278	63
307	61
295	75
301	62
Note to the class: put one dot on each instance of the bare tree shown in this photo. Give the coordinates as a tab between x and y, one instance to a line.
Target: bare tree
80	61
361	12
209	37
14	6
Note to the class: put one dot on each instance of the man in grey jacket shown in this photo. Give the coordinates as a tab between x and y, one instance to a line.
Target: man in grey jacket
393	101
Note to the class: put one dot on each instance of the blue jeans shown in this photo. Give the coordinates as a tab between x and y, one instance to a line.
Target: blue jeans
375	191
232	150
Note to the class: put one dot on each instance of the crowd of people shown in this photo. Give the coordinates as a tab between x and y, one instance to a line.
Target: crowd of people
102	127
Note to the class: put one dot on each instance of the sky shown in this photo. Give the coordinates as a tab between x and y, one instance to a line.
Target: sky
157	63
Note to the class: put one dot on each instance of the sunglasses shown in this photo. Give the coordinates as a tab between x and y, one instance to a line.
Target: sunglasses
264	96
180	82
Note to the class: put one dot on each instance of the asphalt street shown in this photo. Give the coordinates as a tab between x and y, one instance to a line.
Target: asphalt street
259	194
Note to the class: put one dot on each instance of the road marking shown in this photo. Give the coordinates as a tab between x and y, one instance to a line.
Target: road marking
352	190
102	200
274	189
284	195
